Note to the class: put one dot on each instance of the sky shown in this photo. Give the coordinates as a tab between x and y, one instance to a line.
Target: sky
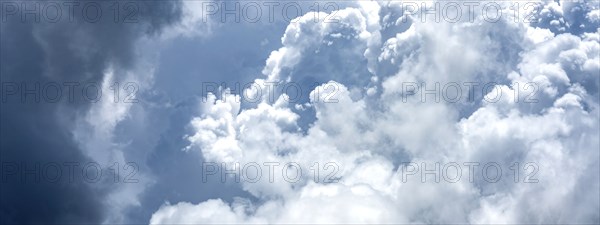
235	112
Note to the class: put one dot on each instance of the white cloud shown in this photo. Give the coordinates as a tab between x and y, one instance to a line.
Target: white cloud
96	134
368	137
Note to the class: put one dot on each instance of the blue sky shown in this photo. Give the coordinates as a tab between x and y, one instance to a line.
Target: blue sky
383	94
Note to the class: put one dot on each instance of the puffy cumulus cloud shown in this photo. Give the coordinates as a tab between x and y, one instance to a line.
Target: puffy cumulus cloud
318	46
373	137
268	134
327	204
562	141
211	211
567	16
562	62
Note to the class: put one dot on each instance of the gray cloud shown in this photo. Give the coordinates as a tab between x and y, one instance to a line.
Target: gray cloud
43	52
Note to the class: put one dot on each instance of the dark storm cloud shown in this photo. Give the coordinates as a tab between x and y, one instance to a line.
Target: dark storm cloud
38	133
